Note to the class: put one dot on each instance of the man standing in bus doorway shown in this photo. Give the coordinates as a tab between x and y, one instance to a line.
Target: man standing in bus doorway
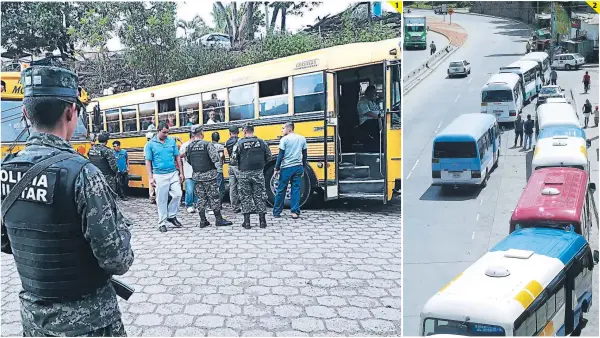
221	151
204	158
89	237
234	197
519	130
528	130
368	115
104	159
587	111
162	161
291	161
251	154
123	169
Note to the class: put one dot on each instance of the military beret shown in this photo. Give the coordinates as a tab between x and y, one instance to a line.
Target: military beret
196	129
43	81
234	129
103	137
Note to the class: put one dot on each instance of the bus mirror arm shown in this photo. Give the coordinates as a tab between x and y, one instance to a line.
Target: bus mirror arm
596	257
592	187
588	143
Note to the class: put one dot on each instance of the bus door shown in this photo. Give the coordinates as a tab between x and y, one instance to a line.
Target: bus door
391	153
331	138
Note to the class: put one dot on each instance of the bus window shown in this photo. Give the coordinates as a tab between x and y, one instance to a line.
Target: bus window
129	118
309	93
166	112
213	104
454	150
189	107
395	97
147	115
273	97
112	120
12	121
551	307
241	103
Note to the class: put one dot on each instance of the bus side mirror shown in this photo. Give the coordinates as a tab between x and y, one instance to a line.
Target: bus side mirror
97	118
588	143
592	187
596	257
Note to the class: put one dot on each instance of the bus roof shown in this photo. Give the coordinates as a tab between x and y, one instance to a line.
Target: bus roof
470	125
539	204
560	151
524	263
502	80
521	65
535	56
561	131
557	114
332	58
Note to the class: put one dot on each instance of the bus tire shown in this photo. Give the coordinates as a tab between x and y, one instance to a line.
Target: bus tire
497	161
306	187
485	178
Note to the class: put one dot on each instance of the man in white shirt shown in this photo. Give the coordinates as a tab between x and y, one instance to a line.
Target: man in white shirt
191	200
368	116
211	117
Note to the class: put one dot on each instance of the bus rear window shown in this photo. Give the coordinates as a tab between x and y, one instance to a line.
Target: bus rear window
496	96
454	150
451	327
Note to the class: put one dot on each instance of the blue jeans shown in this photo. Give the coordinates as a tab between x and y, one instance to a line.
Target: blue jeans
221	184
190	198
528	140
293	174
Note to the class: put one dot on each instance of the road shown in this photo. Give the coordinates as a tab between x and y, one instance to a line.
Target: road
336	271
443	235
415	57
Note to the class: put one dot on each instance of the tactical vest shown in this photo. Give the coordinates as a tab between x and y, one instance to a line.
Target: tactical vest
53	258
230	144
252	153
95	156
198	156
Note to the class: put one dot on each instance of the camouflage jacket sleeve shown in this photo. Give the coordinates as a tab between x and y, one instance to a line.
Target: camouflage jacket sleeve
268	153
103	224
213	152
110	157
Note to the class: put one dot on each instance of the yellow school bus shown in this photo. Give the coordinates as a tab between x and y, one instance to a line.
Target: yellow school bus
318	91
14	132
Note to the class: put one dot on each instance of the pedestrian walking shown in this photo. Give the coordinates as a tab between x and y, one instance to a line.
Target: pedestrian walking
587	111
162	161
528	130
251	154
432	47
291	161
191	200
233	170
204	158
123	169
519	131
596	117
67	235
221	151
151	189
553	77
104	158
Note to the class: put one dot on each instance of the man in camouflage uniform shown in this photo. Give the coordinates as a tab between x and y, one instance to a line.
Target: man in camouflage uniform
233	170
104	158
72	217
204	158
251	154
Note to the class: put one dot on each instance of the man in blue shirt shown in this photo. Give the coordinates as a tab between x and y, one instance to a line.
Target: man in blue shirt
290	162
123	169
162	161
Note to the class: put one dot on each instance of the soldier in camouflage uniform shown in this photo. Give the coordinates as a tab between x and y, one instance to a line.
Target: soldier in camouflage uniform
251	154
204	158
85	229
104	158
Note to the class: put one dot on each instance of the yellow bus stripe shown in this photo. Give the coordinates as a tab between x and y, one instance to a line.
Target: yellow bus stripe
525	298
535	288
452	281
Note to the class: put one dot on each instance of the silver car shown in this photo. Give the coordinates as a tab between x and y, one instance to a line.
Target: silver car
460	67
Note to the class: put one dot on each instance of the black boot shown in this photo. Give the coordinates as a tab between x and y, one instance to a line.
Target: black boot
246	224
263	220
203	221
220	220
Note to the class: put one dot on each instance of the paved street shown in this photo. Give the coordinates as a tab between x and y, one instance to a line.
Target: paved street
443	235
334	272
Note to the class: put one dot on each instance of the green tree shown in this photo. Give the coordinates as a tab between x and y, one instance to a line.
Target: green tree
283	8
240	22
193	29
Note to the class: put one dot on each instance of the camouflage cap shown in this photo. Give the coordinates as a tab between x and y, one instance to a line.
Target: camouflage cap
196	129
234	129
103	137
43	81
248	126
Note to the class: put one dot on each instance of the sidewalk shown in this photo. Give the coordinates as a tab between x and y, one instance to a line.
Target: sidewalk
455	33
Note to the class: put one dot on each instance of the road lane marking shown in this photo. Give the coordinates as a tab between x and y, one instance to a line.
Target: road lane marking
458	97
408	176
473	236
438	127
471	79
414	166
477	219
481	201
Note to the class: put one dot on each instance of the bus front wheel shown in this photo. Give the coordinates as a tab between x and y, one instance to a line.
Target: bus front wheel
272	182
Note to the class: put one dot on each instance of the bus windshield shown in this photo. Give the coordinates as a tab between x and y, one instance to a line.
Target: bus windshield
452	327
496	96
454	150
415	29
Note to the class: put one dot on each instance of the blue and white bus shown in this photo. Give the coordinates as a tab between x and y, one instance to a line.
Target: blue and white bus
568	131
530	76
466	151
543	60
502	97
535	282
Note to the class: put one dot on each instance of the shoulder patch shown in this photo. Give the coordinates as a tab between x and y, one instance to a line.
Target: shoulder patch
41	190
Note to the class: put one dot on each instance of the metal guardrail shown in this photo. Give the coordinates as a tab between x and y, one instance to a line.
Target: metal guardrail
432	62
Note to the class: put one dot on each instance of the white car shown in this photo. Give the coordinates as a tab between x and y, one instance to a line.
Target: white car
460	67
549	92
217	40
568	61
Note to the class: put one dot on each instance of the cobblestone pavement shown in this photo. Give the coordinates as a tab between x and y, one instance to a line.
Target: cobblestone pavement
334	272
